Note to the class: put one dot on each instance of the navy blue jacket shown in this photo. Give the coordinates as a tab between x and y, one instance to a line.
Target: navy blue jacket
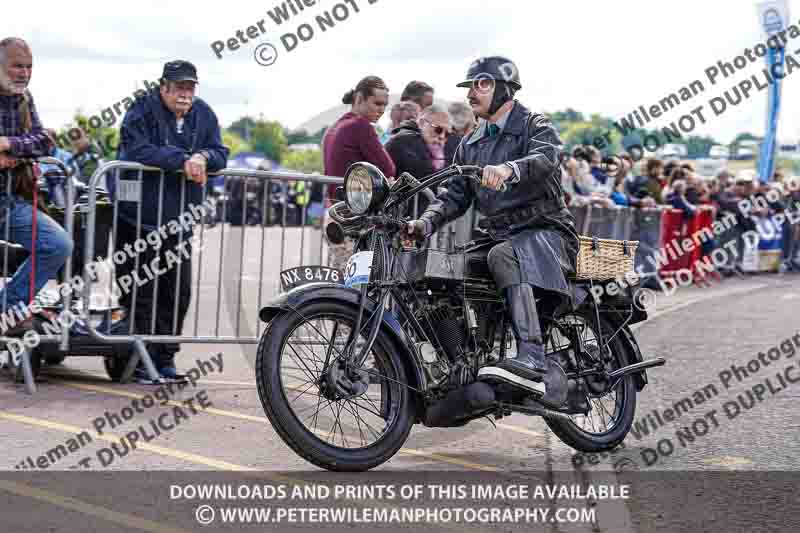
149	136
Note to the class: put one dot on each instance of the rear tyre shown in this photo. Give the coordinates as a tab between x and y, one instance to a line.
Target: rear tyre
611	415
348	434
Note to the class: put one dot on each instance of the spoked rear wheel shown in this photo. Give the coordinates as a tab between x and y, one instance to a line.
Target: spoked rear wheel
611	413
334	416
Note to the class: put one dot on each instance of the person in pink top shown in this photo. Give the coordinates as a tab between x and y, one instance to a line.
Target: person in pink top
352	139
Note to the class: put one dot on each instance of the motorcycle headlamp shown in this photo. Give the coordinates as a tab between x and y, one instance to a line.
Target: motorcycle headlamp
365	187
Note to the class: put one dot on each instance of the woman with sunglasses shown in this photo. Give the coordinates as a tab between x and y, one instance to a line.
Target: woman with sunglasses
418	146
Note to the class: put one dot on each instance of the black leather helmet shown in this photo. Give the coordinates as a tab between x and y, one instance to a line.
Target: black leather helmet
495	67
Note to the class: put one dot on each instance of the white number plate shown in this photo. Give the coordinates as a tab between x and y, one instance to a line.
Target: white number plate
303	275
358	269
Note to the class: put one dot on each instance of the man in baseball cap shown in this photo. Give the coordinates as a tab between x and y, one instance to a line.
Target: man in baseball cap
172	129
179	71
178	85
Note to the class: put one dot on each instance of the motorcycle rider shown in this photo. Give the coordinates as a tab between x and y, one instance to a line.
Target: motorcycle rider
521	196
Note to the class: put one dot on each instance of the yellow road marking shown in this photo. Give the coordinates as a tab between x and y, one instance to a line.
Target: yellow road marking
216	382
128	394
80	373
263	420
728	461
110	437
451	460
99	388
72	504
521	430
189	457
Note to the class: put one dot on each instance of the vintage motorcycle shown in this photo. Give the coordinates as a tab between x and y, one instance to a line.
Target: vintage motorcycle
347	366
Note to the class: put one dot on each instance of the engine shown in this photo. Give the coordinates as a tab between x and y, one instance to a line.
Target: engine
462	398
447	324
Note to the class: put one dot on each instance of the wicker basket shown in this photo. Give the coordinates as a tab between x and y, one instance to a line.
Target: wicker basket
602	259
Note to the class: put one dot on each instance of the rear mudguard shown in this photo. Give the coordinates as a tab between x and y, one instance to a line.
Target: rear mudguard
621	312
299	297
634	355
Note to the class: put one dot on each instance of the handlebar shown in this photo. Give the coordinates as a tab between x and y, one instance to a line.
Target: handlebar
435	179
426	192
339	212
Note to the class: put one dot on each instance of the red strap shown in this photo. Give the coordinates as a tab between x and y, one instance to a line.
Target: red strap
31	293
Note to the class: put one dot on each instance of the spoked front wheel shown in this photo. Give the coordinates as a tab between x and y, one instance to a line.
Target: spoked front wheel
610	414
333	415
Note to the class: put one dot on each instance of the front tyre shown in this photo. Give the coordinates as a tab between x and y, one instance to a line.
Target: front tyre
323	423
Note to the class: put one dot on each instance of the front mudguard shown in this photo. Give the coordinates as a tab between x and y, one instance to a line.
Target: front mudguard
299	297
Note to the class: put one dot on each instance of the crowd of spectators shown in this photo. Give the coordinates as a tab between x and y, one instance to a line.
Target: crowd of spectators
423	136
619	181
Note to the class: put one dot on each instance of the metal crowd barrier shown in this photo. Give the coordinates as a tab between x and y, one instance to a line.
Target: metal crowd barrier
646	228
222	258
20	365
232	269
227	265
661	230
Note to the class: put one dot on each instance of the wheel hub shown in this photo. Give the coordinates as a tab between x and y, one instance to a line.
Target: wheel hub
342	382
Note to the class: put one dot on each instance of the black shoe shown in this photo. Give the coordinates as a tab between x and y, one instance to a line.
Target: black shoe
549	386
169	374
141	377
529	363
532	371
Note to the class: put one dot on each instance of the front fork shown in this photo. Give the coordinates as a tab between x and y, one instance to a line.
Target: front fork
352	361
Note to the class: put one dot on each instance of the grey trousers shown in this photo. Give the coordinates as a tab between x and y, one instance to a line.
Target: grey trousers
507	272
504	266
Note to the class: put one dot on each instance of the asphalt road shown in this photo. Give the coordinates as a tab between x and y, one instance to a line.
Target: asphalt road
701	333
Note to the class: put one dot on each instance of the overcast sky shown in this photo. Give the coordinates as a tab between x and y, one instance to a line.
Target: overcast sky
603	57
